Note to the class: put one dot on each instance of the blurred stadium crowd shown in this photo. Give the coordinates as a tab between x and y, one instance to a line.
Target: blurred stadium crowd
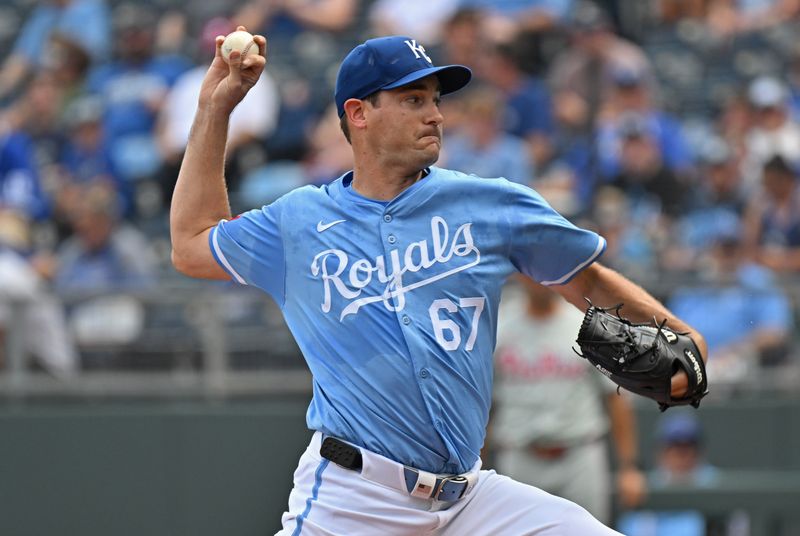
672	127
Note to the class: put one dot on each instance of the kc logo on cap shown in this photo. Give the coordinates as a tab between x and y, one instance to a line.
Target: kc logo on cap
385	63
417	49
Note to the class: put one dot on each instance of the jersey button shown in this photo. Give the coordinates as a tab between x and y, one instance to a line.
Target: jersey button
387	218
406	320
424	373
392	239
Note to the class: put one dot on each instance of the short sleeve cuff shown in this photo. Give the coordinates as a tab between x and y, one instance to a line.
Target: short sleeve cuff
219	256
601	247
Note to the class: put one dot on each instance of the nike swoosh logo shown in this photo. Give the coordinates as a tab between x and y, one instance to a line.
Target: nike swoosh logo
325	226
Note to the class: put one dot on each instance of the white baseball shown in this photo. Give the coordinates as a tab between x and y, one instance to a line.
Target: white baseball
241	41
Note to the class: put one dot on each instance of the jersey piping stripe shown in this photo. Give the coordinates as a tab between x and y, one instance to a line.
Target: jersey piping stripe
314	493
601	245
221	257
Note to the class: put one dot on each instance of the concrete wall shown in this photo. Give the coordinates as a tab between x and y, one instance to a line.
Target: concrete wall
148	469
204	468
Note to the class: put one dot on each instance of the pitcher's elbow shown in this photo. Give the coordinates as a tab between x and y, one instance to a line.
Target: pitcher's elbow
180	263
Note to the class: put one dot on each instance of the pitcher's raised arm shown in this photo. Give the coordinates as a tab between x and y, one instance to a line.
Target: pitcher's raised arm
200	199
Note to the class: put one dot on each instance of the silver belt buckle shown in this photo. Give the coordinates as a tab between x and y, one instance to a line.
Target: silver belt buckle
457	479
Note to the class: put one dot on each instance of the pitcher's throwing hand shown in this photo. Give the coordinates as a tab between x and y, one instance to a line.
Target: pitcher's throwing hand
227	82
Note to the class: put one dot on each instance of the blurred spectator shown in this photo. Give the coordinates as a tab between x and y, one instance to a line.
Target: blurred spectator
266	183
133	88
733	122
26	306
282	20
773	132
463	41
480	146
744	316
631	94
306	38
720	184
504	19
633	238
715	208
20	189
680	456
84	24
672	11
585	68
421	19
297	117
533	28
528	110
329	152
773	218
38	112
69	64
171	33
680	463
643	174
251	122
570	174
793	81
103	260
728	18
549	422
85	158
328	155
103	254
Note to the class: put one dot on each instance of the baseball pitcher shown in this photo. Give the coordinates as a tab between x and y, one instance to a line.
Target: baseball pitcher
389	278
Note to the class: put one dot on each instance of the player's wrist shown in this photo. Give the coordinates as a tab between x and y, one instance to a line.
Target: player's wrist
212	113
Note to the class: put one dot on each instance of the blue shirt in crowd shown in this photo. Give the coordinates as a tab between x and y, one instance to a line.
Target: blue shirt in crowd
726	314
557	8
19	180
506	156
529	109
87	22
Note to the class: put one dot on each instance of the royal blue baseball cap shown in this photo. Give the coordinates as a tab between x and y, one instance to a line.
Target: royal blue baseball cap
388	63
679	428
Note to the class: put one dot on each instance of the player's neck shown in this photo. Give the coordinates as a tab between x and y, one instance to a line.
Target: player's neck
382	184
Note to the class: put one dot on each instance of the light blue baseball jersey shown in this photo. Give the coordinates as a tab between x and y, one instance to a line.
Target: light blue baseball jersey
394	304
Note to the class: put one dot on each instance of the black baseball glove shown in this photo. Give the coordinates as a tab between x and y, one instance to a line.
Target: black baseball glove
642	358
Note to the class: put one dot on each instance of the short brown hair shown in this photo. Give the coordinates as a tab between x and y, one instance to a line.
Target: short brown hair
372	98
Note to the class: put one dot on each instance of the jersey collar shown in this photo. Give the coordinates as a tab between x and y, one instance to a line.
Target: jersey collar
408	198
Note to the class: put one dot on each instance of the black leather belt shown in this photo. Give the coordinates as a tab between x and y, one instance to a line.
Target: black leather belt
444	488
341	453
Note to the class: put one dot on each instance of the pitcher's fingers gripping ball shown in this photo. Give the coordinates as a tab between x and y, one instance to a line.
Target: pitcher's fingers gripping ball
241	41
642	358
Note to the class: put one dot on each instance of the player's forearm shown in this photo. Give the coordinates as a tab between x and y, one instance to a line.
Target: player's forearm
631	483
623	431
605	287
200	199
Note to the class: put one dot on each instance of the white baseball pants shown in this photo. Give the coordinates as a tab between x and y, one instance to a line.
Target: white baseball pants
330	500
